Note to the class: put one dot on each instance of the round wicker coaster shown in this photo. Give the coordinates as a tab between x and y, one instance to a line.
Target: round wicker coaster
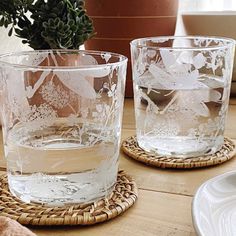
131	148
122	198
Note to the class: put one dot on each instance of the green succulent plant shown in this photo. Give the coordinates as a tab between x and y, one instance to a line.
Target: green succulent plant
47	24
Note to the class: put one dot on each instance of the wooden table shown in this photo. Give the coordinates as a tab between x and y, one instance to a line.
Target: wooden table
165	196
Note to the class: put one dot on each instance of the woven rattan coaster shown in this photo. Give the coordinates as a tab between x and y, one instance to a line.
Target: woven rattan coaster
131	148
122	198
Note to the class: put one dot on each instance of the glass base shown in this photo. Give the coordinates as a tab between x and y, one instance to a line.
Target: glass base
58	190
181	146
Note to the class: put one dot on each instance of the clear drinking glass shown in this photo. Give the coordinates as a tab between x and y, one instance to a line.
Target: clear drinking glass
61	113
181	93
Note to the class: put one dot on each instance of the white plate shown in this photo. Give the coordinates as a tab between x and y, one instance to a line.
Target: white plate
214	206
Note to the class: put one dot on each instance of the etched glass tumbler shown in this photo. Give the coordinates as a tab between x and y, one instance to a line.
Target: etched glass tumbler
61	114
181	92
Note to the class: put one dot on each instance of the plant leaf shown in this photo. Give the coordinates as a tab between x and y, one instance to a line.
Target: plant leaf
10	32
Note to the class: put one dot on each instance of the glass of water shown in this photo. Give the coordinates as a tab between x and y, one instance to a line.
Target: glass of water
61	114
181	93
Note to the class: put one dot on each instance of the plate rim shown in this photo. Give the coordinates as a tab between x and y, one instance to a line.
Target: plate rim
195	220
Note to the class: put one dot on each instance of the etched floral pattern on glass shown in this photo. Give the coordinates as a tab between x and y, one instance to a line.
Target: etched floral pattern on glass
181	88
61	120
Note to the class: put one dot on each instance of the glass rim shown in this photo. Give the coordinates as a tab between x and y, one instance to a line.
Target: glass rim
123	60
230	42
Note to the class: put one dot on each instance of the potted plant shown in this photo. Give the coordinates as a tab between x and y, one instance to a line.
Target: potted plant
51	24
